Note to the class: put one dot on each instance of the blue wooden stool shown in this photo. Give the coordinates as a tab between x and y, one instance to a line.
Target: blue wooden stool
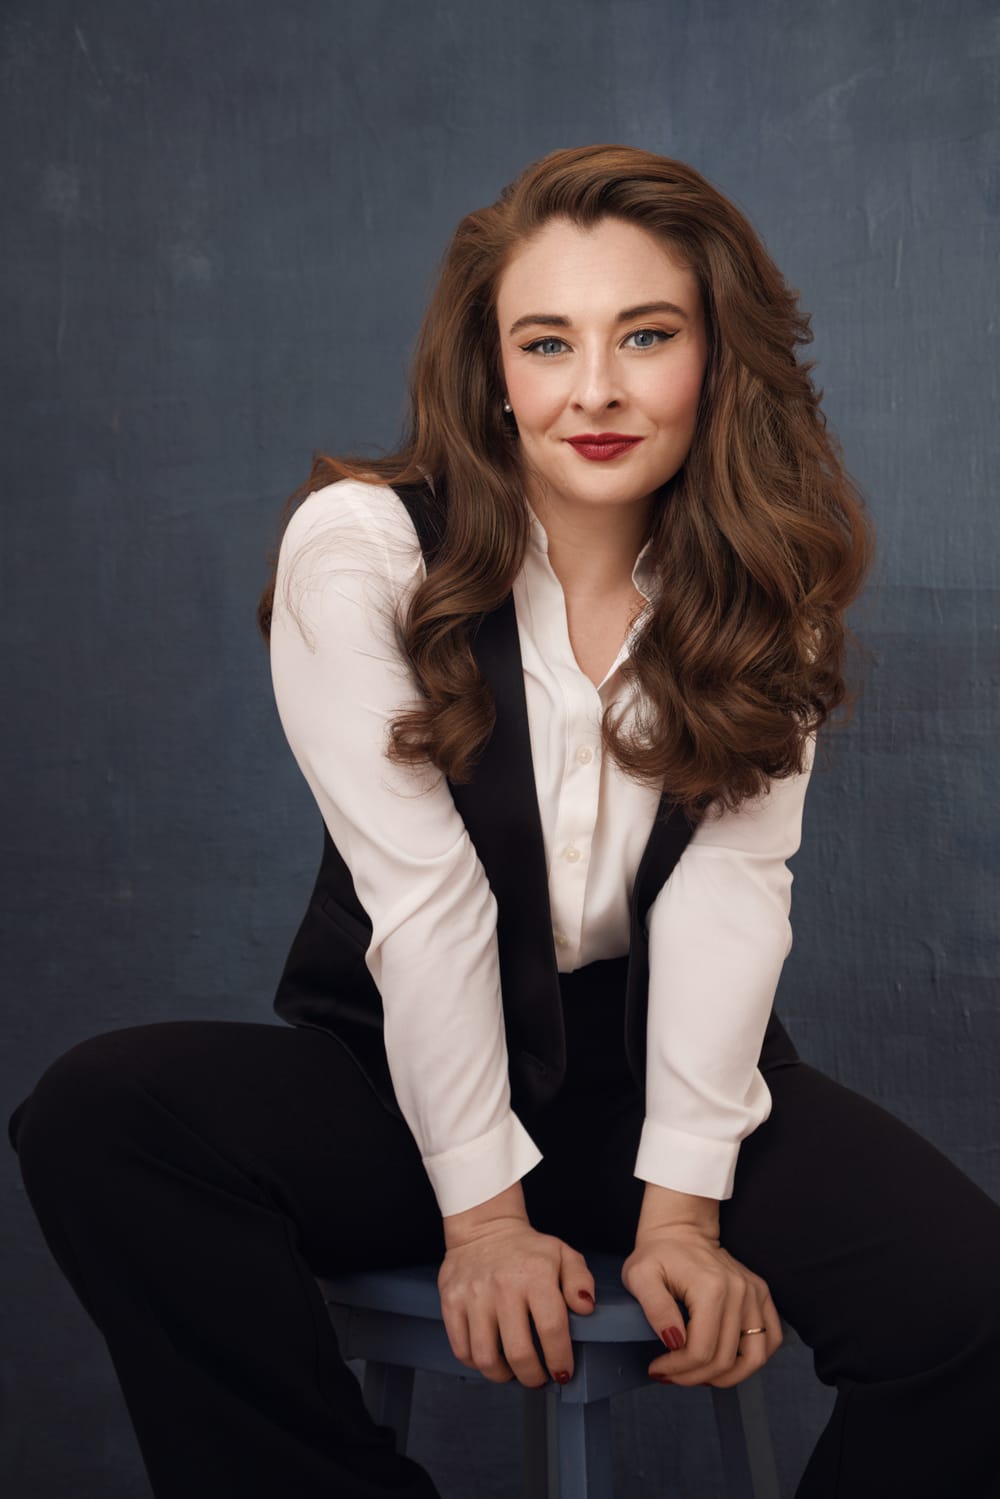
392	1320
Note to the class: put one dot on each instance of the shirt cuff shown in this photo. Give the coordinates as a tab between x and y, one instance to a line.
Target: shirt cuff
670	1157
469	1174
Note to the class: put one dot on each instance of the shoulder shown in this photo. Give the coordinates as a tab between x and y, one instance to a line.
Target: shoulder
352	523
351	505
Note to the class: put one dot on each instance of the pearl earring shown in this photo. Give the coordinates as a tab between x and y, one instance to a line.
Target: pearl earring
506	405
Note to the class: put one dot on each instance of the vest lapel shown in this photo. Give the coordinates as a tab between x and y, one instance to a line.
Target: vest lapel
499	806
500	809
668	838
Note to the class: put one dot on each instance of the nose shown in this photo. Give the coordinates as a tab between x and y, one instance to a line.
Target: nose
597	383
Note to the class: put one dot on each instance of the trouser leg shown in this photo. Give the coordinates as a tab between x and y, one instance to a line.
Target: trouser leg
877	1249
191	1179
885	1258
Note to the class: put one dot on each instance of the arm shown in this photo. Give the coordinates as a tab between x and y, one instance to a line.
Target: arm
719	934
433	952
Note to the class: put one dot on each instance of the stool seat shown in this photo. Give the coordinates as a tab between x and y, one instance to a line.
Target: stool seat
392	1320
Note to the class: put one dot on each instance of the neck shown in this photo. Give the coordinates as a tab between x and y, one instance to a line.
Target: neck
592	547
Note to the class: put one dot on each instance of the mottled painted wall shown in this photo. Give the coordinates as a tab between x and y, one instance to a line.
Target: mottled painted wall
220	224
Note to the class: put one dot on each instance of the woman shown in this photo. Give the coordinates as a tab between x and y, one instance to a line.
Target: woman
554	673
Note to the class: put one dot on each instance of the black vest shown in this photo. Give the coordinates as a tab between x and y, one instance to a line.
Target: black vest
326	983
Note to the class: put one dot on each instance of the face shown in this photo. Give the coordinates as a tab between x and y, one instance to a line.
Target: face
586	352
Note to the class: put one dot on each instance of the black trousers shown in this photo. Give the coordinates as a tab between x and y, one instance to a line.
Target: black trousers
191	1178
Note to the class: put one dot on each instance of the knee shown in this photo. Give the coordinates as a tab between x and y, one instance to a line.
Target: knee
78	1105
958	1323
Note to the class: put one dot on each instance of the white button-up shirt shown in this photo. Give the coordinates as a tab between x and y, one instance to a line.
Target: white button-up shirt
719	929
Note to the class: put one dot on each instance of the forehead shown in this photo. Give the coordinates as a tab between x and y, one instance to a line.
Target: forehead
567	268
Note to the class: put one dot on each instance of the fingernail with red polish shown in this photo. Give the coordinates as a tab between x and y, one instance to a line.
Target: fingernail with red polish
586	1296
673	1337
562	1377
663	1378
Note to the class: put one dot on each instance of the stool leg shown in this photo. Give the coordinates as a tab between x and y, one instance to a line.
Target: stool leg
745	1440
388	1394
541	1443
535	1485
585	1450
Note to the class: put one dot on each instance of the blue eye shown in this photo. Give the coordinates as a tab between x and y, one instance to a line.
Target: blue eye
530	348
649	333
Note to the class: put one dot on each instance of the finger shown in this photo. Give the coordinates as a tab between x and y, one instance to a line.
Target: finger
752	1347
548	1312
741	1305
662	1311
484	1340
772	1321
691	1366
707	1299
518	1343
756	1348
576	1282
456	1325
770	1318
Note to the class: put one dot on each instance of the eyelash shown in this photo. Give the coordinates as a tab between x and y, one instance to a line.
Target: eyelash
552	338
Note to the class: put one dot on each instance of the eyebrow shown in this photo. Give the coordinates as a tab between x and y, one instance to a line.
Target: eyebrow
554	320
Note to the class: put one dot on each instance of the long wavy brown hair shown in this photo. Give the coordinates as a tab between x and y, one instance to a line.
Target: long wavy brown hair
761	540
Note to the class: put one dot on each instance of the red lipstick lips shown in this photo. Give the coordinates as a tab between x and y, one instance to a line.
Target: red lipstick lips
602	445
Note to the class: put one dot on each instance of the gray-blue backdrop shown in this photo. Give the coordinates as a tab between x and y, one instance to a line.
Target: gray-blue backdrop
221	222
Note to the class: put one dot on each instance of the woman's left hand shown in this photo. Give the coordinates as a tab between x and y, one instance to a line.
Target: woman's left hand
722	1298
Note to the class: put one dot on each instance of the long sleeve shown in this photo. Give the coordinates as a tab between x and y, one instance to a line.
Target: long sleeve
347	556
719	934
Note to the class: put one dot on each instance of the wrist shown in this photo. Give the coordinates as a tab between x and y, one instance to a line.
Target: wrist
506	1209
665	1208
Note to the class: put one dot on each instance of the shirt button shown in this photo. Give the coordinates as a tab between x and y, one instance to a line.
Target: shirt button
584	754
571	854
560	939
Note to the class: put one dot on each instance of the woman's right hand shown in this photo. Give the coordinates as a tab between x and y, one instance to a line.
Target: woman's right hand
497	1272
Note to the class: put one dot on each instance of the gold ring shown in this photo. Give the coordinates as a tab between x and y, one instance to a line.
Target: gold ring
746	1331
